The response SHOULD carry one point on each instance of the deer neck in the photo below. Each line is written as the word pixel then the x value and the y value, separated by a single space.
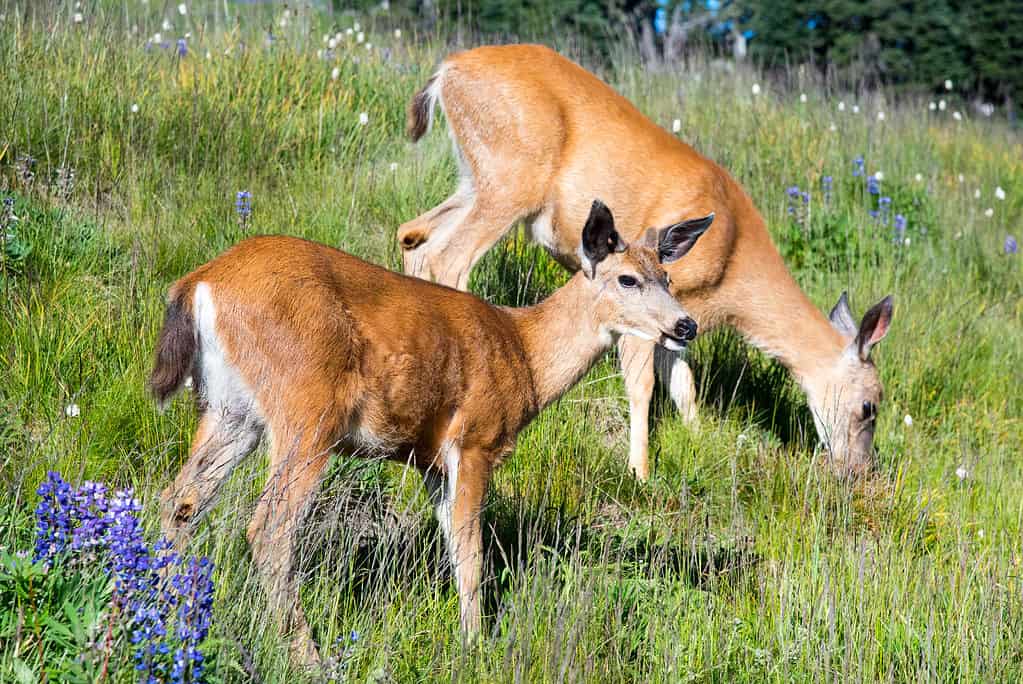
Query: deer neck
pixel 562 338
pixel 763 302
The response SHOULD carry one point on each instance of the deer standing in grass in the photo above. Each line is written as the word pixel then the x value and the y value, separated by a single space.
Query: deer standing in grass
pixel 323 352
pixel 534 134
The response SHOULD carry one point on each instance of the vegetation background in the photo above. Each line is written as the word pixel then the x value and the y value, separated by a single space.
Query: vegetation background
pixel 127 129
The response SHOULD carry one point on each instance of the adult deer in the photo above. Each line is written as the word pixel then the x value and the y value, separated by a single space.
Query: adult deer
pixel 534 133
pixel 324 352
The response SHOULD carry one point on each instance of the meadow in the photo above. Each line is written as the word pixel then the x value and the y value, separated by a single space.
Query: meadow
pixel 123 153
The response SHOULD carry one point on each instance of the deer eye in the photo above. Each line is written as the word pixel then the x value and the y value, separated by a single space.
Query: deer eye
pixel 627 281
pixel 869 410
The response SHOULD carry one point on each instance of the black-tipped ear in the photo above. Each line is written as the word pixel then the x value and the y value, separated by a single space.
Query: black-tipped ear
pixel 599 237
pixel 874 326
pixel 675 241
pixel 841 317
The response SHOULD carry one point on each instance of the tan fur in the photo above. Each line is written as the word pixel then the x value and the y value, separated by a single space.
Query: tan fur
pixel 342 355
pixel 537 135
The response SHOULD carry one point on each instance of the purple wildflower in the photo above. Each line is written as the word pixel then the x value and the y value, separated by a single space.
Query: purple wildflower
pixel 884 204
pixel 826 184
pixel 1010 246
pixel 873 185
pixel 54 521
pixel 182 47
pixel 243 206
pixel 858 169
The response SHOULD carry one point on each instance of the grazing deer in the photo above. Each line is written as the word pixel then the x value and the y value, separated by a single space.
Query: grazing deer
pixel 534 133
pixel 321 351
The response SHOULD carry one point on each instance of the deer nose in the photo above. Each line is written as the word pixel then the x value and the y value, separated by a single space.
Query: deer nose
pixel 686 329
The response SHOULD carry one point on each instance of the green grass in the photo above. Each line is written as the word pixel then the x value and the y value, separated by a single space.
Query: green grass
pixel 741 560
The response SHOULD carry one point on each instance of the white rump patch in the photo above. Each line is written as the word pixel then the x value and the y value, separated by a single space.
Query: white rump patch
pixel 222 385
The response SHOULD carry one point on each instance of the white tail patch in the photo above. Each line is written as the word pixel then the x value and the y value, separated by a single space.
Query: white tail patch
pixel 222 385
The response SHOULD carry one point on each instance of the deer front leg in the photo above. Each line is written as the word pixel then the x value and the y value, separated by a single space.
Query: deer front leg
pixel 637 359
pixel 458 497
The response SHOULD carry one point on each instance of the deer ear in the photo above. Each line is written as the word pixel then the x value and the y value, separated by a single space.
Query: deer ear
pixel 599 238
pixel 841 317
pixel 675 241
pixel 874 327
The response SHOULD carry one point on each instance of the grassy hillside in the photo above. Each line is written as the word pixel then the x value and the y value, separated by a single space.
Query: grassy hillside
pixel 742 559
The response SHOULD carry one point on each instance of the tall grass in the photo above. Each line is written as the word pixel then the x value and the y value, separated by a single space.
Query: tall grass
pixel 740 560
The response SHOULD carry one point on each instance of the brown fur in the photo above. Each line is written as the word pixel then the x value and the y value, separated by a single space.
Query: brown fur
pixel 325 352
pixel 175 350
pixel 540 134
pixel 419 113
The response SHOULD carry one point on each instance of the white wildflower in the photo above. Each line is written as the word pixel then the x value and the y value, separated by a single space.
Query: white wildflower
pixel 397 34
pixel 880 116
pixel 369 46
pixel 394 166
pixel 335 72
pixel 841 106
pixel 78 18
pixel 356 26
pixel 918 177
pixel 957 116
pixel 359 37
pixel 72 411
pixel 802 97
pixel 182 9
pixel 906 242
pixel 676 125
pixel 980 533
pixel 166 26
pixel 932 106
pixel 962 473
pixel 999 193
pixel 188 382
pixel 989 212
pixel 209 55
pixel 948 84
pixel 756 89
pixel 976 194
pixel 856 109
pixel 326 38
pixel 363 118
pixel 878 175
pixel 331 44
pixel 832 128
pixel 908 420
pixel 348 32
pixel 961 178
pixel 942 105
pixel 157 37
pixel 134 108
pixel 958 235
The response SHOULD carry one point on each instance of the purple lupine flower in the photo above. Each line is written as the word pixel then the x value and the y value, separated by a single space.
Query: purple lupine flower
pixel 1010 246
pixel 873 185
pixel 858 169
pixel 792 192
pixel 826 184
pixel 54 517
pixel 90 511
pixel 182 47
pixel 884 204
pixel 900 228
pixel 805 196
pixel 243 206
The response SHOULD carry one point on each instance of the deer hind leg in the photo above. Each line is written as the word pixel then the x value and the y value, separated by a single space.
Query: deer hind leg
pixel 673 370
pixel 297 461
pixel 637 359
pixel 222 440
pixel 458 495
pixel 436 224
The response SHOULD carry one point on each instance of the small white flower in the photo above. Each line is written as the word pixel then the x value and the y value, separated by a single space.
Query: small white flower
pixel 78 18
pixel 906 242
pixel 908 420
pixel 157 37
pixel 880 116
pixel 182 9
pixel 394 166
pixel 363 118
pixel 756 88
pixel 942 105
pixel 878 175
pixel 134 108
pixel 356 26
pixel 976 194
pixel 962 473
pixel 188 35
pixel 338 36
pixel 856 109
pixel 980 533
pixel 802 97
pixel 989 212
pixel 209 55
pixel 958 235
pixel 166 26
pixel 397 34
pixel 331 44
pixel 918 177
pixel 188 382
pixel 948 84
pixel 385 5
pixel 359 37
pixel 961 178
pixel 334 73
pixel 369 46
pixel 932 106
pixel 348 32
pixel 999 193
pixel 832 128
pixel 676 125
pixel 841 106
pixel 957 116
pixel 326 38
pixel 72 411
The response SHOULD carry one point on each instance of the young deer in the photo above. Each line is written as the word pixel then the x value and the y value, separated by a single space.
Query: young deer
pixel 533 133
pixel 324 352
